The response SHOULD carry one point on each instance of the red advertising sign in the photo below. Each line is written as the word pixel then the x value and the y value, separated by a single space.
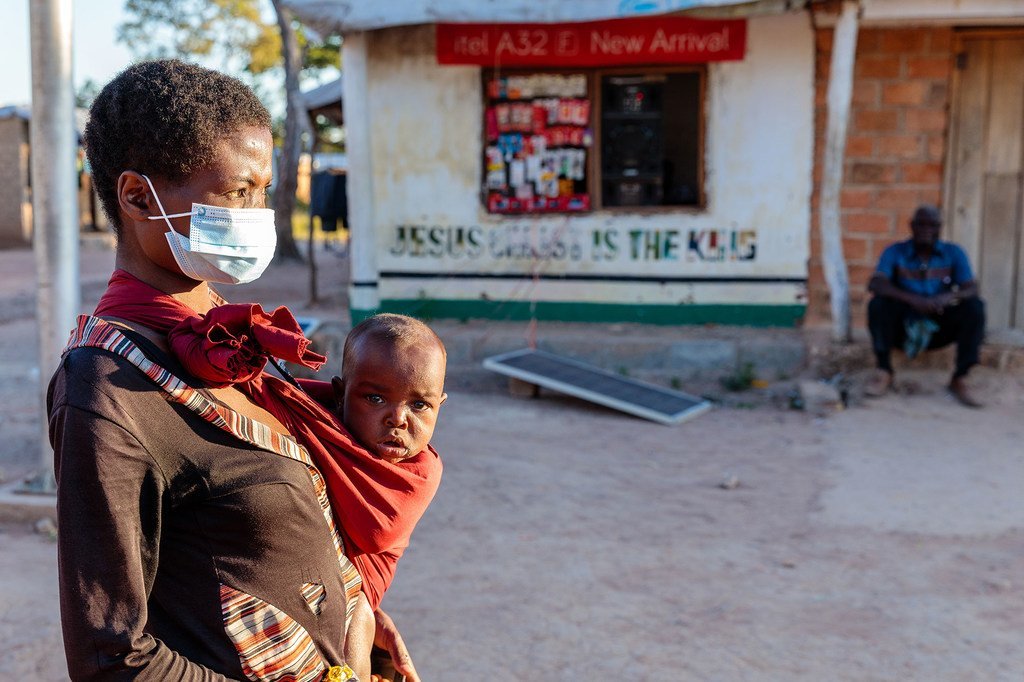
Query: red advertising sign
pixel 644 40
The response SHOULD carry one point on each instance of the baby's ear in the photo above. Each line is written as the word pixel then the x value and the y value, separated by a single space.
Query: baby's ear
pixel 338 384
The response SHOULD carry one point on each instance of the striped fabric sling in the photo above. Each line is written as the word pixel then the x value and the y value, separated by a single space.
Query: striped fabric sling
pixel 280 652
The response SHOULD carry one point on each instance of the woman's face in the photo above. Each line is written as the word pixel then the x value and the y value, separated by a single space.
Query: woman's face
pixel 237 176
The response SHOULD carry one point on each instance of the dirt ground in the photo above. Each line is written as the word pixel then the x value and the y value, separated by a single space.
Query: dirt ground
pixel 884 542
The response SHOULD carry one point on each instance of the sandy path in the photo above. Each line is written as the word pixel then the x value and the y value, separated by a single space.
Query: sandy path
pixel 882 543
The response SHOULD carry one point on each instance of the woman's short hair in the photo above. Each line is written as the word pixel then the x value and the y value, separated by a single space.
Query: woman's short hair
pixel 163 118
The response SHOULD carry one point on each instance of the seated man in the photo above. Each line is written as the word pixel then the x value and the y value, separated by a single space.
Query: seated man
pixel 925 297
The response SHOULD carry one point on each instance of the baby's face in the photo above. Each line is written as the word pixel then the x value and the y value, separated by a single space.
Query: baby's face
pixel 392 396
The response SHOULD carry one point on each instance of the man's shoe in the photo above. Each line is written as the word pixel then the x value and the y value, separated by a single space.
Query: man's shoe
pixel 958 389
pixel 878 383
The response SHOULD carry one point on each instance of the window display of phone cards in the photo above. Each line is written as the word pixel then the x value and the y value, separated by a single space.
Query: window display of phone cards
pixel 538 136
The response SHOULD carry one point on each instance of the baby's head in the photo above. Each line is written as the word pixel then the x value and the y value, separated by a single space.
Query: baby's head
pixel 392 385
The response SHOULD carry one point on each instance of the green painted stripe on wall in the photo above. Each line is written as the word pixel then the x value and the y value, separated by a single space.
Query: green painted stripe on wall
pixel 730 314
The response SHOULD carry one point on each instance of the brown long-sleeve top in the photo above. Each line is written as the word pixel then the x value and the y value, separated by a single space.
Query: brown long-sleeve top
pixel 184 553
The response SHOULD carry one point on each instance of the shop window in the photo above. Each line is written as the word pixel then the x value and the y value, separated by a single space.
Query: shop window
pixel 571 142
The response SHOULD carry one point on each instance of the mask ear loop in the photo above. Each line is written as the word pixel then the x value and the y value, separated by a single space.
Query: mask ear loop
pixel 159 204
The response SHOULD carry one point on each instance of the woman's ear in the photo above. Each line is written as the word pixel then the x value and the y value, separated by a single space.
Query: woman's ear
pixel 134 197
pixel 338 384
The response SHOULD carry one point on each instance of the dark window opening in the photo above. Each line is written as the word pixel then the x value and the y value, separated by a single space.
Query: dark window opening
pixel 650 140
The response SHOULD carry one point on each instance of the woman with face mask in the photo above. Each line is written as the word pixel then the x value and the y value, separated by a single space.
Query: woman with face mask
pixel 197 539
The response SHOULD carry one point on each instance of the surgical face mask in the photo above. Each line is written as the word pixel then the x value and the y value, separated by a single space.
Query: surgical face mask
pixel 225 245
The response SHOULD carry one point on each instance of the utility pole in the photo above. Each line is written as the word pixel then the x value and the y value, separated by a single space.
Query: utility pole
pixel 839 94
pixel 54 147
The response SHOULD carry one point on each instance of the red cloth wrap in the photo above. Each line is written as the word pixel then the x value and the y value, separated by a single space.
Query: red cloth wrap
pixel 377 503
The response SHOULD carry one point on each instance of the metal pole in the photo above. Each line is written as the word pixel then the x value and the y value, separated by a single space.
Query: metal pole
pixel 54 147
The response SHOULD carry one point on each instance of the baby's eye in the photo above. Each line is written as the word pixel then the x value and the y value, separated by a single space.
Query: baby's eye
pixel 421 405
pixel 374 399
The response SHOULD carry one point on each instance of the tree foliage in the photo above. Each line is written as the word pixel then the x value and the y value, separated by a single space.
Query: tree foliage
pixel 234 29
pixel 246 37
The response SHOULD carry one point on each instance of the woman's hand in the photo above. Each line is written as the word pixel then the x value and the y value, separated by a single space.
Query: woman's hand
pixel 386 637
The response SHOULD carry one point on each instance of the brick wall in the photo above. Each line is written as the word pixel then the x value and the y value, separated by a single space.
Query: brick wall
pixel 895 148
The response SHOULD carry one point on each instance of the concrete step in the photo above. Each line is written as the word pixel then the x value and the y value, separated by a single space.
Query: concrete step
pixel 666 355
pixel 686 357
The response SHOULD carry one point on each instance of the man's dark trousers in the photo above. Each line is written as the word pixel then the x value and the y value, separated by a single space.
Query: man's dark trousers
pixel 963 323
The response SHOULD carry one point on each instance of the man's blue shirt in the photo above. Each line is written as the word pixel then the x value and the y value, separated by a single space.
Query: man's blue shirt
pixel 947 265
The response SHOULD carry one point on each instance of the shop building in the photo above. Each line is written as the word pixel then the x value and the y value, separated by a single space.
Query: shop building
pixel 663 161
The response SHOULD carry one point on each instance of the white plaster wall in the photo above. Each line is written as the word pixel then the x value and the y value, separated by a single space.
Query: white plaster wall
pixel 426 137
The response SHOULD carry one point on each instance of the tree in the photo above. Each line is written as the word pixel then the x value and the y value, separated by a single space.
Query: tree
pixel 236 31
pixel 86 93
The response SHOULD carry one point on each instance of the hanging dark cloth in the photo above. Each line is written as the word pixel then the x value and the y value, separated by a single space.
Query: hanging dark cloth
pixel 329 199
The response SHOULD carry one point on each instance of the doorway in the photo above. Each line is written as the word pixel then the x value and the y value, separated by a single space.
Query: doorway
pixel 985 181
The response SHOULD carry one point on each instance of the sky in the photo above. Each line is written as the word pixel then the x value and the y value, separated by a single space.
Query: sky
pixel 97 54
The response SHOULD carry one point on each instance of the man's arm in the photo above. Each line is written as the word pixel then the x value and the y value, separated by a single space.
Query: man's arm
pixel 967 290
pixel 880 285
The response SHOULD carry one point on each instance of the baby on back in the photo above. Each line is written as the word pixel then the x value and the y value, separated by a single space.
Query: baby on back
pixel 389 394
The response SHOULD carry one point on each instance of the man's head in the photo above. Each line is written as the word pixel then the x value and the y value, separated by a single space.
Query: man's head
pixel 925 225
pixel 392 385
pixel 165 119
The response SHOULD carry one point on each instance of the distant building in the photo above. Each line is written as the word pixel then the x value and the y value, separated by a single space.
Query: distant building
pixel 16 180
pixel 515 159
pixel 15 200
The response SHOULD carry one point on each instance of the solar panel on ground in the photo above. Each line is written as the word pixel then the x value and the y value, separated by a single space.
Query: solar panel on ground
pixel 596 385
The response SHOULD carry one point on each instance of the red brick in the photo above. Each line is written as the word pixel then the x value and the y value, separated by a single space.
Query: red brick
pixel 875 248
pixel 936 146
pixel 856 198
pixel 869 222
pixel 860 147
pixel 938 95
pixel 877 67
pixel 823 39
pixel 865 92
pixel 903 40
pixel 820 95
pixel 867 41
pixel 924 120
pixel 872 173
pixel 859 276
pixel 875 121
pixel 931 195
pixel 922 173
pixel 816 273
pixel 913 93
pixel 940 40
pixel 897 198
pixel 899 146
pixel 929 67
pixel 822 68
pixel 855 249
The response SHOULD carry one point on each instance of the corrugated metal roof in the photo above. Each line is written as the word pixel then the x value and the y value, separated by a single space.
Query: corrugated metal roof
pixel 323 95
pixel 339 16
